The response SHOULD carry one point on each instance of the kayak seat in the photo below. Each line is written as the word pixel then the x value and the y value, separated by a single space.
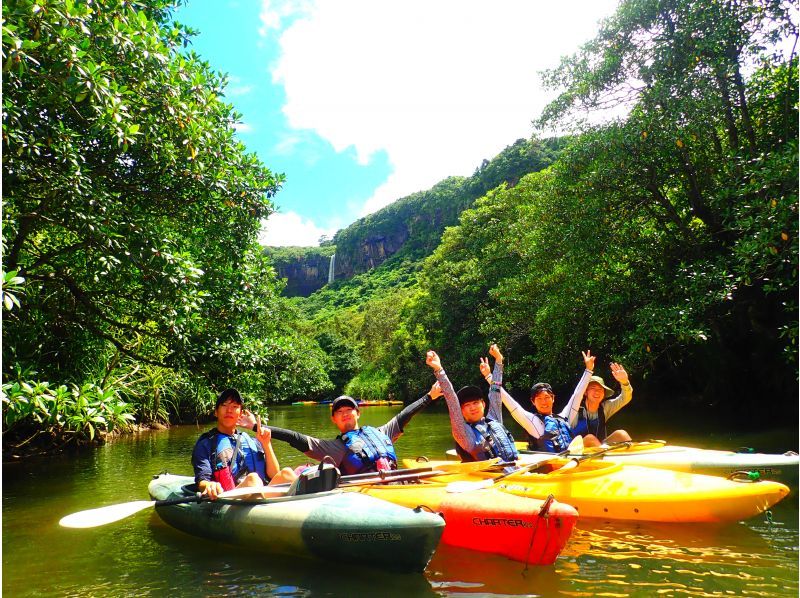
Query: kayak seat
pixel 323 478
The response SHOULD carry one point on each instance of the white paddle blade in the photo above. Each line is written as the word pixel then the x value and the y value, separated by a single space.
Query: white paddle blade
pixel 104 515
pixel 466 486
pixel 576 446
pixel 571 464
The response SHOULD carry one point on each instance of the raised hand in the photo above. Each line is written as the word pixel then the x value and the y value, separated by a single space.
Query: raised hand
pixel 588 360
pixel 432 359
pixel 484 367
pixel 263 435
pixel 494 351
pixel 619 373
pixel 246 419
pixel 436 391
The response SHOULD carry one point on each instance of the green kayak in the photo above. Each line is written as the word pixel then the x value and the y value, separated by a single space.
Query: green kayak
pixel 344 526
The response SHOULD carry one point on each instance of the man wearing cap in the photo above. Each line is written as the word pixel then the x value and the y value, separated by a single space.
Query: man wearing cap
pixel 224 458
pixel 546 430
pixel 598 408
pixel 479 432
pixel 357 449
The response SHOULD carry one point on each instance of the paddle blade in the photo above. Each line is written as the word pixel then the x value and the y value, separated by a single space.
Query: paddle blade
pixel 465 486
pixel 104 515
pixel 571 464
pixel 576 446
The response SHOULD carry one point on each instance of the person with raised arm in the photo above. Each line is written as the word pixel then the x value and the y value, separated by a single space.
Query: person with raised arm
pixel 598 407
pixel 357 449
pixel 225 458
pixel 477 429
pixel 548 431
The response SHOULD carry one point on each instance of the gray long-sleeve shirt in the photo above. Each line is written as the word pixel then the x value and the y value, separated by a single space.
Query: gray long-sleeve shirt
pixel 458 426
pixel 318 448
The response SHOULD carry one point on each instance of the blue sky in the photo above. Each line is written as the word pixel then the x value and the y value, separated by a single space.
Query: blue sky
pixel 362 102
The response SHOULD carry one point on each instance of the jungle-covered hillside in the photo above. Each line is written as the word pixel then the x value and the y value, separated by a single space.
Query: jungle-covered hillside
pixel 134 287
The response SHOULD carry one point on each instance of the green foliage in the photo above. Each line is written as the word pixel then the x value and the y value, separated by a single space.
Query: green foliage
pixel 345 361
pixel 410 228
pixel 125 187
pixel 131 213
pixel 369 385
pixel 667 239
pixel 40 414
pixel 285 255
pixel 12 286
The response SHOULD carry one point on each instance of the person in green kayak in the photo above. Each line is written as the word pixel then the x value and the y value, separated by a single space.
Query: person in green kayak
pixel 548 431
pixel 598 407
pixel 357 449
pixel 478 431
pixel 225 458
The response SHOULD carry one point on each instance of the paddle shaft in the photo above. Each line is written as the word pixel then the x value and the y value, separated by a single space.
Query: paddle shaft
pixel 387 480
pixel 530 466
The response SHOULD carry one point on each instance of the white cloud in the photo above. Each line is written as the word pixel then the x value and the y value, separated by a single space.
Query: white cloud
pixel 290 228
pixel 242 128
pixel 238 90
pixel 438 85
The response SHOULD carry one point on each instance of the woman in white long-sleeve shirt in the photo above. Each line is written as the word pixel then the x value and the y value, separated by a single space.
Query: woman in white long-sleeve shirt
pixel 548 431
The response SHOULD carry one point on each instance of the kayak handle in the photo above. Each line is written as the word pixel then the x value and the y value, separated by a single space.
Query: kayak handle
pixel 745 476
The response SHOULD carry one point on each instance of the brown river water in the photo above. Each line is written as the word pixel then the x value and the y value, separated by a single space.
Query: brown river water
pixel 141 556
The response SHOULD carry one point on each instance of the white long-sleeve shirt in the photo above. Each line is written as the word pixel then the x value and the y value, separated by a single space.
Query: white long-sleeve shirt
pixel 533 424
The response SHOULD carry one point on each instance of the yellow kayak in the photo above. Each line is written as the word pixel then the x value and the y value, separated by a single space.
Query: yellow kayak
pixel 660 454
pixel 601 489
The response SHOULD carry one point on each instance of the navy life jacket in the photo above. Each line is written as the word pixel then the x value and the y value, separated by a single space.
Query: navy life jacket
pixel 586 426
pixel 557 434
pixel 365 448
pixel 495 440
pixel 246 457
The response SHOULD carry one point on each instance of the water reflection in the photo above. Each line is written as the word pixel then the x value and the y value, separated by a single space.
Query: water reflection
pixel 141 556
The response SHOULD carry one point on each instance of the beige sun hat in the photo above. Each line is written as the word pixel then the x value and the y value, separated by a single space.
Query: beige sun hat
pixel 599 380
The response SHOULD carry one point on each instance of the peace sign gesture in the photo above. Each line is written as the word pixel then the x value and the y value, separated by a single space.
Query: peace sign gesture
pixel 588 360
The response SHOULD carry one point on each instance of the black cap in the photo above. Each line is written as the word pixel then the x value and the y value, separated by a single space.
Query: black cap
pixel 229 393
pixel 541 387
pixel 469 393
pixel 342 401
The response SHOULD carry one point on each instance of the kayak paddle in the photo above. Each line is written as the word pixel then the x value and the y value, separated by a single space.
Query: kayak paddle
pixel 112 513
pixel 576 446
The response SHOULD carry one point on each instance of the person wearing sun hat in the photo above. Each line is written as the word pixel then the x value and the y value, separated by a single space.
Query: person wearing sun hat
pixel 598 407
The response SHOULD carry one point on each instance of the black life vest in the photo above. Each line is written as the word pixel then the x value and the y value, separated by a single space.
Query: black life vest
pixel 368 449
pixel 557 434
pixel 495 440
pixel 586 426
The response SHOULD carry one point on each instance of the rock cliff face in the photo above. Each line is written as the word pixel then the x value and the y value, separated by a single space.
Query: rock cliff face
pixel 411 227
pixel 304 274
pixel 369 253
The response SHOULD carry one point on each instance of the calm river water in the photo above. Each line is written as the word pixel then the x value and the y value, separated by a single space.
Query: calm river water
pixel 141 556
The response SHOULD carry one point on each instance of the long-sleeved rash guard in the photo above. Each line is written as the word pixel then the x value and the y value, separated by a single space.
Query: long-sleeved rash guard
pixel 532 423
pixel 335 448
pixel 459 427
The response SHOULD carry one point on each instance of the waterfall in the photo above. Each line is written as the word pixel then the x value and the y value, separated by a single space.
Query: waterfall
pixel 331 267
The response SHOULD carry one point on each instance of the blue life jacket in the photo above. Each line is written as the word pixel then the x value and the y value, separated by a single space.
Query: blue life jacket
pixel 248 458
pixel 365 446
pixel 557 434
pixel 495 440
pixel 586 426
